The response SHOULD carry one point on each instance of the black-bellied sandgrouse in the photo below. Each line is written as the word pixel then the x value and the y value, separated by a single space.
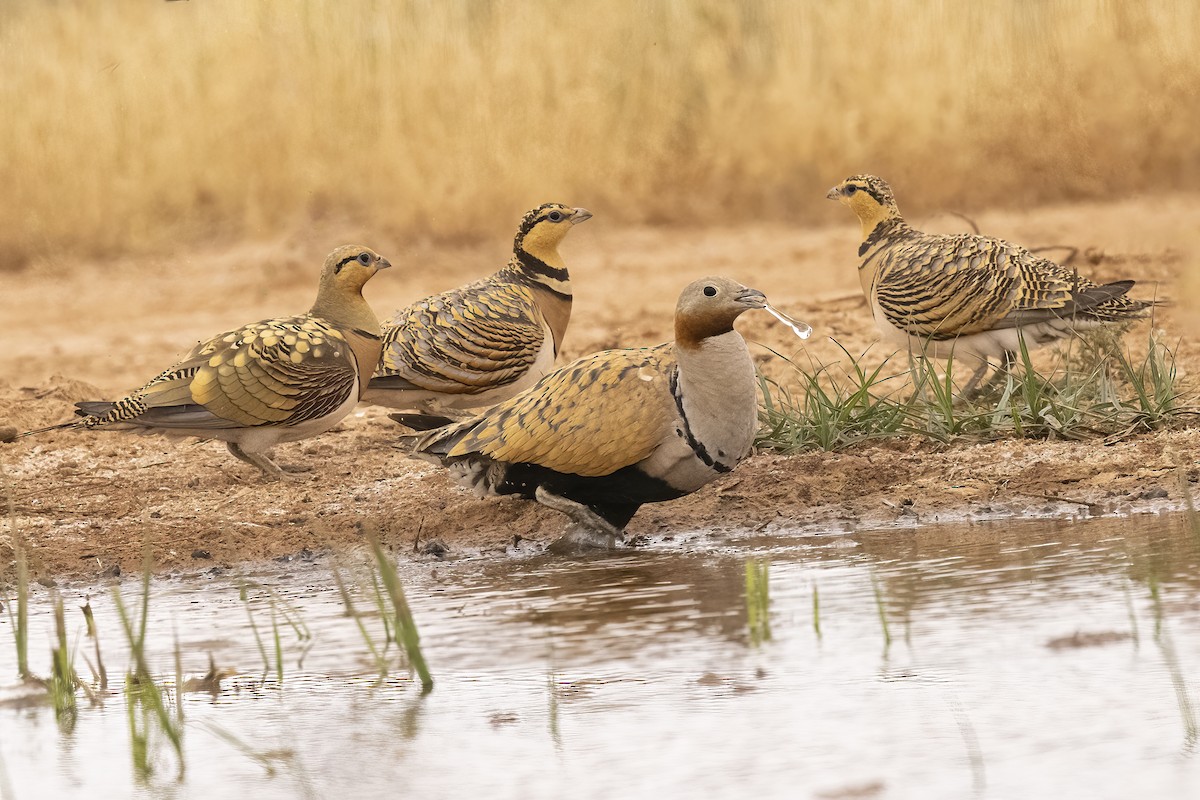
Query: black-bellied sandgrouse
pixel 619 428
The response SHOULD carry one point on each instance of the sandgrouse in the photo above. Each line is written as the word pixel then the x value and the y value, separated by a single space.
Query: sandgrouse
pixel 968 295
pixel 274 381
pixel 611 431
pixel 485 342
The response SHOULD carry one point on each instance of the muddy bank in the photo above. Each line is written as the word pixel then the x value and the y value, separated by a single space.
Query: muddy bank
pixel 88 503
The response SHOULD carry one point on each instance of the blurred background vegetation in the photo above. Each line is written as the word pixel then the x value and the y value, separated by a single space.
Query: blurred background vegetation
pixel 132 125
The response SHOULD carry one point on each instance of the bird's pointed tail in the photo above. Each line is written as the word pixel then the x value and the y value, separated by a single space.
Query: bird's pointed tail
pixel 75 423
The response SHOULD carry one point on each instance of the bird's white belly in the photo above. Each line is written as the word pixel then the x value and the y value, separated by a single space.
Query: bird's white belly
pixel 987 345
pixel 675 462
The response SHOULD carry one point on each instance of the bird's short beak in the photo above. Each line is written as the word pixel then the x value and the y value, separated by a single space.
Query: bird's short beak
pixel 383 264
pixel 833 194
pixel 752 298
pixel 580 215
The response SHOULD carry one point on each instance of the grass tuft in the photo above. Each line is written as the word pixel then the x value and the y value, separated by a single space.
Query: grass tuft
pixel 1103 392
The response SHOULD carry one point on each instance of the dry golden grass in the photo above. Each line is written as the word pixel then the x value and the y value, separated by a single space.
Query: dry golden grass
pixel 132 125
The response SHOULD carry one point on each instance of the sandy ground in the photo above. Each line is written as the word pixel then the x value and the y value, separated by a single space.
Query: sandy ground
pixel 88 503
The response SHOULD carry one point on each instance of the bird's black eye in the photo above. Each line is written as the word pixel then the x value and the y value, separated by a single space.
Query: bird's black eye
pixel 364 259
pixel 851 189
pixel 555 216
pixel 710 291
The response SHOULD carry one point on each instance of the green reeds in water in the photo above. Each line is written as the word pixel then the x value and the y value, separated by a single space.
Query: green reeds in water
pixel 758 601
pixel 282 614
pixel 62 681
pixel 406 627
pixel 19 621
pixel 99 671
pixel 816 611
pixel 1187 712
pixel 883 620
pixel 1096 388
pixel 378 654
pixel 149 718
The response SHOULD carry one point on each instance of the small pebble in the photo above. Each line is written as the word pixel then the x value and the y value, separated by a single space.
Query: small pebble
pixel 201 554
pixel 8 433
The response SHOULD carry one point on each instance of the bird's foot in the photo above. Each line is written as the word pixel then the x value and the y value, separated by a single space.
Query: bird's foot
pixel 579 539
pixel 577 512
pixel 271 471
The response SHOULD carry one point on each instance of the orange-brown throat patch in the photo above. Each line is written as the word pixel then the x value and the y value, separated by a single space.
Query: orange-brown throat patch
pixel 691 330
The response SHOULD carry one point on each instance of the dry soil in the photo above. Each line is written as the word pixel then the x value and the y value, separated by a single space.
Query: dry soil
pixel 88 503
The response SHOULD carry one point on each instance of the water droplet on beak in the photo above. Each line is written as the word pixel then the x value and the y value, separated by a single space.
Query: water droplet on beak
pixel 801 329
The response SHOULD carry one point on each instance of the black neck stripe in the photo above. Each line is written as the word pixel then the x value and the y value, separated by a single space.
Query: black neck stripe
pixel 533 282
pixel 533 264
pixel 698 448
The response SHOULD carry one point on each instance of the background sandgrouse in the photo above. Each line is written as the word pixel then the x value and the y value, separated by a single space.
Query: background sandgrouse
pixel 487 341
pixel 274 381
pixel 968 295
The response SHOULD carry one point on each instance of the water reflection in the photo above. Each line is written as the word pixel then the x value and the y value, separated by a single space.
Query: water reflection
pixel 986 660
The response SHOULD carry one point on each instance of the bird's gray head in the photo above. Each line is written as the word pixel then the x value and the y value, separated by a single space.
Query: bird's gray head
pixel 709 306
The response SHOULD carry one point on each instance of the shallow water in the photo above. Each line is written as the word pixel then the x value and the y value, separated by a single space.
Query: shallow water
pixel 636 675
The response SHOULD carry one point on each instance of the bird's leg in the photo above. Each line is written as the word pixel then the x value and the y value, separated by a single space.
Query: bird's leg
pixel 971 389
pixel 270 470
pixel 589 529
pixel 1003 370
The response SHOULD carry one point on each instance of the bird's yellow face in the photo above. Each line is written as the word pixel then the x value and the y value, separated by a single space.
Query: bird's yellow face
pixel 709 306
pixel 349 267
pixel 869 197
pixel 545 226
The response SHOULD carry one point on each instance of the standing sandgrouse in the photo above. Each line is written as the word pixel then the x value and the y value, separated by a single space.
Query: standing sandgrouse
pixel 611 431
pixel 968 295
pixel 487 341
pixel 274 381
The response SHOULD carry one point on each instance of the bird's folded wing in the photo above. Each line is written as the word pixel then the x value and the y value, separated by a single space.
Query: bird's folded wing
pixel 462 342
pixel 277 372
pixel 944 286
pixel 592 417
